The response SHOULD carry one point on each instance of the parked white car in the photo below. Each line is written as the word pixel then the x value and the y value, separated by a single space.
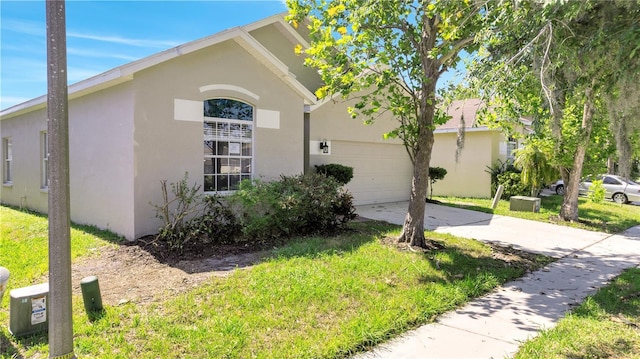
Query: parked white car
pixel 618 189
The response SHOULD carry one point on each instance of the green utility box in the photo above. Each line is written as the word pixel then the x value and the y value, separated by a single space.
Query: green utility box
pixel 524 204
pixel 28 312
pixel 91 294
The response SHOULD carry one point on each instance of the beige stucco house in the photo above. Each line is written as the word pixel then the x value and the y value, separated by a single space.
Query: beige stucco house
pixel 235 105
pixel 483 147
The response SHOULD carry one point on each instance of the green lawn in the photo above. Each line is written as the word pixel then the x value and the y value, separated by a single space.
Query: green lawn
pixel 606 217
pixel 320 297
pixel 606 325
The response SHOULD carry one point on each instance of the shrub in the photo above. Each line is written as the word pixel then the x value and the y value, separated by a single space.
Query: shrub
pixel 292 205
pixel 216 224
pixel 342 174
pixel 597 191
pixel 497 169
pixel 513 186
pixel 435 174
pixel 176 212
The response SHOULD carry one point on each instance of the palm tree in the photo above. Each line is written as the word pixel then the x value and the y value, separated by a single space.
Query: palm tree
pixel 534 161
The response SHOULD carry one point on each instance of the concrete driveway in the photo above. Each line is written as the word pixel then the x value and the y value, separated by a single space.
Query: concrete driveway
pixel 493 326
pixel 545 238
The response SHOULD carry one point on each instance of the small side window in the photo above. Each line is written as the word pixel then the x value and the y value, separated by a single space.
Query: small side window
pixel 7 154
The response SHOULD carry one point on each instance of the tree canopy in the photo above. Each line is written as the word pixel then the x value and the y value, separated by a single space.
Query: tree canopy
pixel 389 56
pixel 568 64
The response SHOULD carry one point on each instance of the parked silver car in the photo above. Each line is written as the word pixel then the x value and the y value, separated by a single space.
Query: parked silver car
pixel 558 187
pixel 619 189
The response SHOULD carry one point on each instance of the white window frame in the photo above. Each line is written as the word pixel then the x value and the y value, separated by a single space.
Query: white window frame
pixel 512 146
pixel 7 150
pixel 232 137
pixel 44 160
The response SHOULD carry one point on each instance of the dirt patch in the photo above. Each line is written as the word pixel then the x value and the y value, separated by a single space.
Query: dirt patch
pixel 145 271
pixel 135 272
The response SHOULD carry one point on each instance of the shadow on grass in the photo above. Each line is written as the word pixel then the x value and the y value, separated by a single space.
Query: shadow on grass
pixel 621 297
pixel 603 350
pixel 96 315
pixel 503 264
pixel 103 234
pixel 347 241
pixel 9 350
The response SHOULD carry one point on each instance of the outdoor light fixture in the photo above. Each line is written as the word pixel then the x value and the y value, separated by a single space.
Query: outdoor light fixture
pixel 324 147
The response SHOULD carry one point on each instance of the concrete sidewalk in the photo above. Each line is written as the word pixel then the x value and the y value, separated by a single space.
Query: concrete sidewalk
pixel 493 326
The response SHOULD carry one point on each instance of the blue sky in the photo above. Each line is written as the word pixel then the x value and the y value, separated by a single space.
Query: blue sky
pixel 102 35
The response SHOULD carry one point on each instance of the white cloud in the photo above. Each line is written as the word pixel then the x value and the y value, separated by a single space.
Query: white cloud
pixel 127 41
pixel 100 54
pixel 24 27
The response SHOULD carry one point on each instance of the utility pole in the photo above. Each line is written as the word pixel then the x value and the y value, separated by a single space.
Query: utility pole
pixel 60 306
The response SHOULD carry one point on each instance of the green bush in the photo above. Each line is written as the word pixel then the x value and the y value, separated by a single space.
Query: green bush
pixel 513 186
pixel 216 224
pixel 259 211
pixel 597 191
pixel 497 169
pixel 292 205
pixel 342 174
pixel 435 174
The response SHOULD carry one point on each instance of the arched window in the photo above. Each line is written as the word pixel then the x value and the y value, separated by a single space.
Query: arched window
pixel 228 144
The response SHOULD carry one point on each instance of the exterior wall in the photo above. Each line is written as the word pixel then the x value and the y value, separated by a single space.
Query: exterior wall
pixel 467 177
pixel 24 131
pixel 382 169
pixel 166 148
pixel 271 37
pixel 100 160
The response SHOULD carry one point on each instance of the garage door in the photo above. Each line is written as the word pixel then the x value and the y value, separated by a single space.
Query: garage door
pixel 381 172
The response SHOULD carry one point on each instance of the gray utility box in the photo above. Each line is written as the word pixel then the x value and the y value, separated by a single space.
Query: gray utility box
pixel 28 313
pixel 524 204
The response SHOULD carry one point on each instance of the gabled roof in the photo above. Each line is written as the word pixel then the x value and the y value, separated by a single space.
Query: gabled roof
pixel 238 34
pixel 468 109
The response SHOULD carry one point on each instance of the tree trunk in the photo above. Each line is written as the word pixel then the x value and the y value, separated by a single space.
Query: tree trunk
pixel 569 209
pixel 413 228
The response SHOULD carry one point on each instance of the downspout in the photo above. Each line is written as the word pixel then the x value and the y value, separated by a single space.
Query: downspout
pixel 306 138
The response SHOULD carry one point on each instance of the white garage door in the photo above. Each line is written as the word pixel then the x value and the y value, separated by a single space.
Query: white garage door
pixel 381 172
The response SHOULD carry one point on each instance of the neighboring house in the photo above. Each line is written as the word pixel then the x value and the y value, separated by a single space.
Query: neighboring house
pixel 236 105
pixel 483 147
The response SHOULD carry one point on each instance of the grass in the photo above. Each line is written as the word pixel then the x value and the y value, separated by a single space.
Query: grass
pixel 317 297
pixel 605 217
pixel 606 325
pixel 24 244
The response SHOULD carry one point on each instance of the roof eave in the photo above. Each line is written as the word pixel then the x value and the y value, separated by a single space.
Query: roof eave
pixel 126 72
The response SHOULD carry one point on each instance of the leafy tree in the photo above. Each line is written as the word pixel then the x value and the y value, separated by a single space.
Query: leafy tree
pixel 556 60
pixel 624 115
pixel 389 55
